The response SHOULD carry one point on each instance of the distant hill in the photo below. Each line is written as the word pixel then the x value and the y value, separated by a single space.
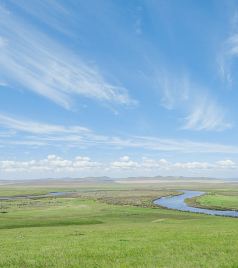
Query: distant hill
pixel 105 179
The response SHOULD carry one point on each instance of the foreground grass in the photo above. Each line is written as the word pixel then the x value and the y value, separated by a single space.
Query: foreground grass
pixel 165 243
pixel 96 229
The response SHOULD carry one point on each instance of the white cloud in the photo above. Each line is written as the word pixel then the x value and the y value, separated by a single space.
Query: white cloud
pixel 193 165
pixel 124 163
pixel 175 89
pixel 42 134
pixel 52 13
pixel 38 63
pixel 232 45
pixel 201 110
pixel 3 42
pixel 57 166
pixel 36 127
pixel 228 55
pixel 84 162
pixel 163 164
pixel 148 163
pixel 52 163
pixel 226 164
pixel 222 164
pixel 206 115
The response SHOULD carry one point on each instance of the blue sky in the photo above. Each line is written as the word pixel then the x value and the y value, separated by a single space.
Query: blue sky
pixel 118 88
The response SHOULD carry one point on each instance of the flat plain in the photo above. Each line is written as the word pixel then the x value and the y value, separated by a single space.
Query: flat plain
pixel 109 224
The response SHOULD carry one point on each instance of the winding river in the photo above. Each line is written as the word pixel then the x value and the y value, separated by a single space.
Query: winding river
pixel 178 202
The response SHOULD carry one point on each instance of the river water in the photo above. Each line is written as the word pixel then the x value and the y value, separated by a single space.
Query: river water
pixel 178 202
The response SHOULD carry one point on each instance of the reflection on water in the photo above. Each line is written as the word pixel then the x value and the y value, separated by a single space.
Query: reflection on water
pixel 178 202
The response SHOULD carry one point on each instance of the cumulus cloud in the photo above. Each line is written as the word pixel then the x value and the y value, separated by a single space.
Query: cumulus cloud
pixel 51 163
pixel 124 163
pixel 163 164
pixel 193 165
pixel 56 166
pixel 226 164
pixel 149 163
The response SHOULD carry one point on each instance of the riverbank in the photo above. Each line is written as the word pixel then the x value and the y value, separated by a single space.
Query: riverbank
pixel 214 202
pixel 179 202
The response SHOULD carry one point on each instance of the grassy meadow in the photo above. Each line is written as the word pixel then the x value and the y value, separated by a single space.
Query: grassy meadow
pixel 115 225
pixel 219 201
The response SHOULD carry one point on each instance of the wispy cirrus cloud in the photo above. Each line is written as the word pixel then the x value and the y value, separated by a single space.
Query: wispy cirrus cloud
pixel 226 59
pixel 33 133
pixel 199 109
pixel 228 54
pixel 52 13
pixel 206 115
pixel 34 61
pixel 3 42
pixel 175 89
pixel 36 127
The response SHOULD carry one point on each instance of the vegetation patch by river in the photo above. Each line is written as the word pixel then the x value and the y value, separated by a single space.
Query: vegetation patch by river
pixel 216 201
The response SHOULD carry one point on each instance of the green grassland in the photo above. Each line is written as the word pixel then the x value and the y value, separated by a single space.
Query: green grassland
pixel 112 225
pixel 225 201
